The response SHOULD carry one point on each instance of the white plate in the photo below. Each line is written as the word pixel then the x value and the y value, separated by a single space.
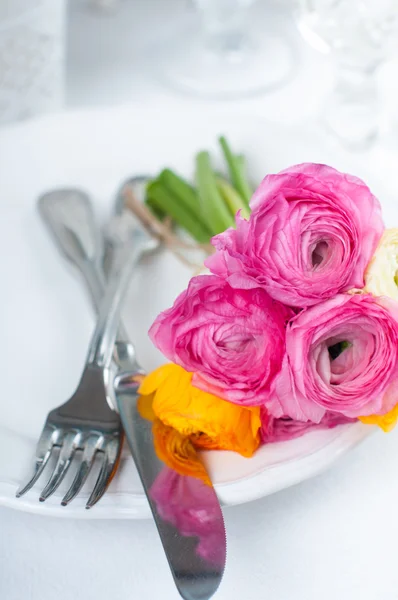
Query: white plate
pixel 46 316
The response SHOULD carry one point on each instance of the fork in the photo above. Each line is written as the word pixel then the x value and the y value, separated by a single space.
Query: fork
pixel 86 422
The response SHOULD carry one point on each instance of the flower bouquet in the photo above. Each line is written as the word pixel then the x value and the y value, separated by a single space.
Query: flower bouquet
pixel 294 328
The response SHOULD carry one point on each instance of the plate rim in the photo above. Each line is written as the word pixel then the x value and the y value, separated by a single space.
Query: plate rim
pixel 264 482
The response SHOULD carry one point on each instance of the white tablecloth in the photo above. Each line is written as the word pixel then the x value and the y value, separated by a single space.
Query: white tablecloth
pixel 331 537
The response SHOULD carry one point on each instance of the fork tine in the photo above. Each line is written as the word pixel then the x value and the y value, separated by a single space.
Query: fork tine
pixel 90 449
pixel 66 454
pixel 112 450
pixel 44 448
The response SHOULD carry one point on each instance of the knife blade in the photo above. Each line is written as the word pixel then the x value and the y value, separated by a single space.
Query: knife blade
pixel 186 511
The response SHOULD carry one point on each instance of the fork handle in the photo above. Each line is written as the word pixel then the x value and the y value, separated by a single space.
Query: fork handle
pixel 96 284
pixel 104 336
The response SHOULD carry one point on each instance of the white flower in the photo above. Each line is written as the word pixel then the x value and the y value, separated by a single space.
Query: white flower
pixel 381 277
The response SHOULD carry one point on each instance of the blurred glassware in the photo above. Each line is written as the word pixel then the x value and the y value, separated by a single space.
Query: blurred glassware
pixel 226 54
pixel 32 58
pixel 360 35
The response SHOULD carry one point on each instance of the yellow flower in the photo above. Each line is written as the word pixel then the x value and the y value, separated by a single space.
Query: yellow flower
pixel 381 277
pixel 177 452
pixel 207 420
pixel 386 422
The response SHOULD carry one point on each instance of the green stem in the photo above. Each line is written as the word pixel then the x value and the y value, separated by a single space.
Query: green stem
pixel 214 209
pixel 237 171
pixel 181 189
pixel 160 198
pixel 232 199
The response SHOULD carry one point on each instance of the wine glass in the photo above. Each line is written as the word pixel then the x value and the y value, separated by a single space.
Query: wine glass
pixel 223 52
pixel 359 35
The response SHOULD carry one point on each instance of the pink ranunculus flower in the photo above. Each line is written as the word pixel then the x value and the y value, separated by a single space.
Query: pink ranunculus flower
pixel 285 428
pixel 311 235
pixel 341 356
pixel 233 340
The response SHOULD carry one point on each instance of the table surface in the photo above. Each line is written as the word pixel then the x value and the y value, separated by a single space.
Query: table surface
pixel 330 537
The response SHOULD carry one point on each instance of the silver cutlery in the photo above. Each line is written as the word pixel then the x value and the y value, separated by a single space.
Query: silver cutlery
pixel 86 422
pixel 197 575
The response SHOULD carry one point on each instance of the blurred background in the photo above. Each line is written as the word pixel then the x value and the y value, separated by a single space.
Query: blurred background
pixel 332 62
pixel 323 66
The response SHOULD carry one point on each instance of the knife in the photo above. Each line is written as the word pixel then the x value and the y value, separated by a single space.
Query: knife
pixel 186 511
pixel 188 515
